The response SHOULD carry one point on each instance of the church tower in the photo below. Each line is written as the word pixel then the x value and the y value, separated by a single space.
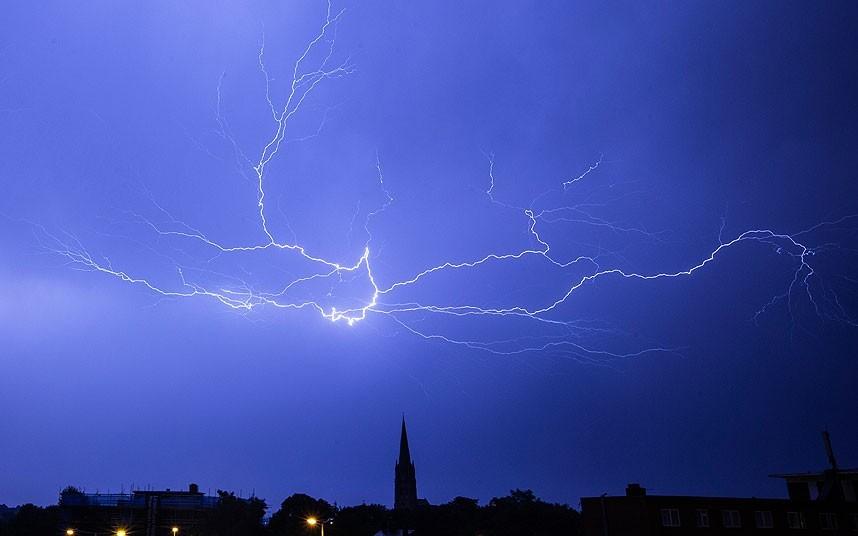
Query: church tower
pixel 405 485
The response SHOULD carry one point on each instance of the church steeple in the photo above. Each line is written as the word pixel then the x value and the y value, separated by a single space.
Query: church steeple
pixel 405 484
pixel 404 453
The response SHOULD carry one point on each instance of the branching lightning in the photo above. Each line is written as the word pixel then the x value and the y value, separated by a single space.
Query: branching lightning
pixel 382 297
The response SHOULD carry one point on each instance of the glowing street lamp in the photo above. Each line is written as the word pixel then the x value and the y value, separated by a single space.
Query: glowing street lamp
pixel 120 532
pixel 312 521
pixel 174 530
pixel 69 532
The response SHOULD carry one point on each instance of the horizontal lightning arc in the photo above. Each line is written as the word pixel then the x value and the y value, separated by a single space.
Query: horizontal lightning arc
pixel 305 80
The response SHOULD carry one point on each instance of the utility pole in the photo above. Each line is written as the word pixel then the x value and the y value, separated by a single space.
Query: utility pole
pixel 828 450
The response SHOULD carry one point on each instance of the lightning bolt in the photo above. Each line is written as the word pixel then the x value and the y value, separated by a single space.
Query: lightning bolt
pixel 550 331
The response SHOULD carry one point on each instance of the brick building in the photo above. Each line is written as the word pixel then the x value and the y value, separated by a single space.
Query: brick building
pixel 818 503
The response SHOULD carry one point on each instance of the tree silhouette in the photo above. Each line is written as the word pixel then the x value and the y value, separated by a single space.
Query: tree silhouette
pixel 523 513
pixel 362 520
pixel 291 519
pixel 31 520
pixel 235 517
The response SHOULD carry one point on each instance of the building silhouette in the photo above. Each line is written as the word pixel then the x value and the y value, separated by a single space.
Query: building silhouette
pixel 141 512
pixel 405 481
pixel 819 503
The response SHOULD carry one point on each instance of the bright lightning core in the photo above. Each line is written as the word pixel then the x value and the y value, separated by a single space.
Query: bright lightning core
pixel 348 291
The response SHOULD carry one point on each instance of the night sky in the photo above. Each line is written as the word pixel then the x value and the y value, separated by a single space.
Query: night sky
pixel 675 125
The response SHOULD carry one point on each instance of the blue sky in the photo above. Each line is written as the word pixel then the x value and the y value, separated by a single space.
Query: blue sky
pixel 706 120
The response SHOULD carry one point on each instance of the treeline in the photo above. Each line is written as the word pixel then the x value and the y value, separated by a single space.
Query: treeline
pixel 520 513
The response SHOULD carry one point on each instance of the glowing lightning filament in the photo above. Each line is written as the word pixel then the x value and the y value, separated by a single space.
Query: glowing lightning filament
pixel 380 297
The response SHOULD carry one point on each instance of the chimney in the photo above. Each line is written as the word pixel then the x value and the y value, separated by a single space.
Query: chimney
pixel 193 488
pixel 635 490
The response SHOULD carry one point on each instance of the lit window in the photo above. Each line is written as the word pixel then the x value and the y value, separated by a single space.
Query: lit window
pixel 795 520
pixel 763 519
pixel 670 517
pixel 828 521
pixel 730 519
pixel 702 517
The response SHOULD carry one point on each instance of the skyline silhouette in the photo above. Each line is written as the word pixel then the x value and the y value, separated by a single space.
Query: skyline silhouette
pixel 579 245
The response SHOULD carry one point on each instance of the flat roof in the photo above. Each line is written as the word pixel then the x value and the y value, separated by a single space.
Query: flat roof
pixel 818 474
pixel 687 497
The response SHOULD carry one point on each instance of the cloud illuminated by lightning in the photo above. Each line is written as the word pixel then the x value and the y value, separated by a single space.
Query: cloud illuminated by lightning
pixel 381 298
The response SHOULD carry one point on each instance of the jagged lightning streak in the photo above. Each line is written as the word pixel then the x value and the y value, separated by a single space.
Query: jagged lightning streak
pixel 380 298
pixel 589 170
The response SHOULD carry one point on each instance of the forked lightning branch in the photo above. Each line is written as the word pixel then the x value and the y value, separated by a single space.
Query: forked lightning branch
pixel 320 63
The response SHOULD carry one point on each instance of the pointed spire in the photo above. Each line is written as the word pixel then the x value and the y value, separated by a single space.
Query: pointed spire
pixel 404 453
pixel 405 482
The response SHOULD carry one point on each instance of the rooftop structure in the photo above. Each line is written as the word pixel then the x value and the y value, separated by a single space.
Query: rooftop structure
pixel 822 502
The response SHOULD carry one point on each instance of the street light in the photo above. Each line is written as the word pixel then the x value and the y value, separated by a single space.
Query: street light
pixel 312 521
pixel 69 532
pixel 174 530
pixel 120 532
